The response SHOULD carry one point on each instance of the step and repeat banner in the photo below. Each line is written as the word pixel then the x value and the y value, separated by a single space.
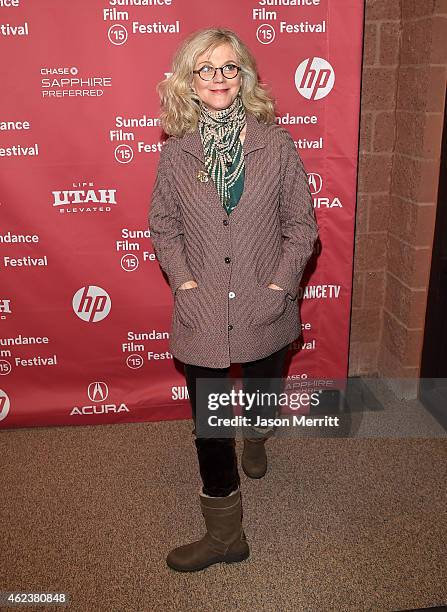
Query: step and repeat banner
pixel 85 310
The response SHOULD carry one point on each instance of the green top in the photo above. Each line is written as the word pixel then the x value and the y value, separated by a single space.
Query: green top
pixel 237 188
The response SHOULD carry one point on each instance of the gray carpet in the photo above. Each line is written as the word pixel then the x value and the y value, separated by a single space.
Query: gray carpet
pixel 336 524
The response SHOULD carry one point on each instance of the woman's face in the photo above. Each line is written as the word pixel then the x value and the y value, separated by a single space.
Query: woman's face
pixel 220 92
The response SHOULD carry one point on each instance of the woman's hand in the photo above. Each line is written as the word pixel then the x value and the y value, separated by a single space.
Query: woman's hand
pixel 189 285
pixel 273 286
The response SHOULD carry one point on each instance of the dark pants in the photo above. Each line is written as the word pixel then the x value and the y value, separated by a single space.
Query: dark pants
pixel 217 456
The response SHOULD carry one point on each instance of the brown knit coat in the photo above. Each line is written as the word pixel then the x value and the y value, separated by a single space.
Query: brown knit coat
pixel 232 316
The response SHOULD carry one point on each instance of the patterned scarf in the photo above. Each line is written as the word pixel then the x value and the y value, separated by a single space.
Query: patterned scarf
pixel 224 156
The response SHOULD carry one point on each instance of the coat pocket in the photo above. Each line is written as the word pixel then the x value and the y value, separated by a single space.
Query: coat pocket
pixel 269 306
pixel 186 306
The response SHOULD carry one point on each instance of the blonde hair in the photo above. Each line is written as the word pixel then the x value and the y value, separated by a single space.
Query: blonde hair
pixel 180 109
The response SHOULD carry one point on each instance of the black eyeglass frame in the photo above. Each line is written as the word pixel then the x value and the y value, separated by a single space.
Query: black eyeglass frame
pixel 216 69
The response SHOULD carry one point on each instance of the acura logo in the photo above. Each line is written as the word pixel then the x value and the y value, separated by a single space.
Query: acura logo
pixel 97 391
pixel 315 182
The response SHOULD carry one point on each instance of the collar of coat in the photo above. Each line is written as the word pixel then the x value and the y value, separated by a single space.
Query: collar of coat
pixel 254 138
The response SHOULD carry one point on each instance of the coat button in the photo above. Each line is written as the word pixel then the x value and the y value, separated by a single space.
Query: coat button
pixel 227 260
pixel 225 222
pixel 230 327
pixel 231 294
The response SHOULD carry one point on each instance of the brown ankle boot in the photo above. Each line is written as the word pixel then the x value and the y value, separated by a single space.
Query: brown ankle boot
pixel 224 540
pixel 254 458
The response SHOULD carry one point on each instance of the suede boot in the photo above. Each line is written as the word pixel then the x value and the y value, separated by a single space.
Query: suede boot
pixel 254 458
pixel 224 540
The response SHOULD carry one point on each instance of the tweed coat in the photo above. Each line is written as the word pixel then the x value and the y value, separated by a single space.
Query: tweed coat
pixel 232 316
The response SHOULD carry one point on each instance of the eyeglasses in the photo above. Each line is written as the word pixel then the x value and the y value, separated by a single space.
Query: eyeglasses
pixel 207 73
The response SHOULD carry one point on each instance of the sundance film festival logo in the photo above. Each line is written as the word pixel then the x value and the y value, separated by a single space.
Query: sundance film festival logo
pixel 314 78
pixel 84 198
pixel 92 303
pixel 5 366
pixel 97 393
pixel 266 32
pixel 118 33
pixel 4 404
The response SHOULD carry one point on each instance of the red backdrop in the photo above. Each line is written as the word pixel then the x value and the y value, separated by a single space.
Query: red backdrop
pixel 84 308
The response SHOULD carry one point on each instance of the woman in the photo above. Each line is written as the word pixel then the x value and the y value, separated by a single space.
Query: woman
pixel 232 225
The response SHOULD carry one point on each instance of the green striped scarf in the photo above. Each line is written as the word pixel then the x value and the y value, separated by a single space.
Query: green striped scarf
pixel 224 156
